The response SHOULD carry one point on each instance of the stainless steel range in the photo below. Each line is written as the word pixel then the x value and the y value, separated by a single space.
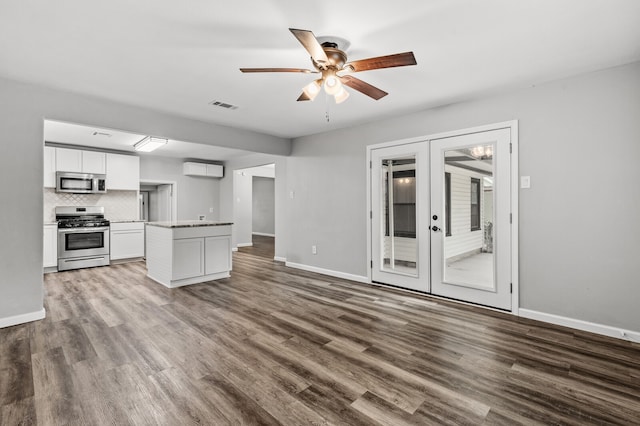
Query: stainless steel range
pixel 83 237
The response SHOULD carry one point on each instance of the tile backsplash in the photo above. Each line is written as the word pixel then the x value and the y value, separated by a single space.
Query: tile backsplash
pixel 118 205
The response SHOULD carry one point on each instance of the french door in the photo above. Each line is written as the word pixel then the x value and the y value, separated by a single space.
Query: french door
pixel 441 217
pixel 400 190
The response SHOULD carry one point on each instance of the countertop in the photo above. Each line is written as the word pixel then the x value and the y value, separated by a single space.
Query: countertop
pixel 126 221
pixel 188 223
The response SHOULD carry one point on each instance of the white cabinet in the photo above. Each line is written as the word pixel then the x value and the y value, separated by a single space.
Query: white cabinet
pixel 215 170
pixel 202 169
pixel 76 160
pixel 49 167
pixel 188 258
pixel 217 252
pixel 123 172
pixel 127 240
pixel 187 252
pixel 68 160
pixel 50 246
pixel 94 162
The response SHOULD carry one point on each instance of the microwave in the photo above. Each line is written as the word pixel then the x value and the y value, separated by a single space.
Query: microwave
pixel 81 183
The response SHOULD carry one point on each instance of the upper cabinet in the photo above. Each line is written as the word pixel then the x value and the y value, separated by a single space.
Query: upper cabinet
pixel 202 169
pixel 123 172
pixel 94 162
pixel 49 167
pixel 75 160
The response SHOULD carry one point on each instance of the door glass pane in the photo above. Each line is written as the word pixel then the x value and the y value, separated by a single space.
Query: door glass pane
pixel 469 235
pixel 398 187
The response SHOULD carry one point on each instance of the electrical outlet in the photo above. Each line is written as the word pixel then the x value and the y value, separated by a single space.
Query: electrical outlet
pixel 314 250
pixel 201 217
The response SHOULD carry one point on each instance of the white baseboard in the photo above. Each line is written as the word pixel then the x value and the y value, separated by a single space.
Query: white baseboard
pixel 22 318
pixel 244 244
pixel 263 234
pixel 280 259
pixel 329 272
pixel 606 330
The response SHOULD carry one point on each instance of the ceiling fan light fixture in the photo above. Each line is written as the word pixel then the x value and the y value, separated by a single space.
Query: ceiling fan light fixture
pixel 332 84
pixel 149 144
pixel 341 96
pixel 312 89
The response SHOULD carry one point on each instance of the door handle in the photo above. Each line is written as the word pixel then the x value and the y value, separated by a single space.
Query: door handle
pixel 435 229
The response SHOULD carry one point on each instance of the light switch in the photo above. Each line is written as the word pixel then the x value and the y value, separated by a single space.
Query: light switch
pixel 525 182
pixel 292 195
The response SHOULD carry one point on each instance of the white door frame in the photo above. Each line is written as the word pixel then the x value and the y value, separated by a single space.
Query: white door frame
pixel 513 127
pixel 174 198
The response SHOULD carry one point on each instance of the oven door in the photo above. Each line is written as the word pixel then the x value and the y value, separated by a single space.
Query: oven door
pixel 80 242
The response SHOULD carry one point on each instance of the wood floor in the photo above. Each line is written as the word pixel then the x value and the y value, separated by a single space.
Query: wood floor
pixel 263 246
pixel 272 345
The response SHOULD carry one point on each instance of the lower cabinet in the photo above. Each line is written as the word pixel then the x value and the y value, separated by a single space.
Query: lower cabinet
pixel 188 258
pixel 127 240
pixel 217 252
pixel 50 246
pixel 186 254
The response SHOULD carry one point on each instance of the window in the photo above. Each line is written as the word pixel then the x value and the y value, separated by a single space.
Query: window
pixel 447 204
pixel 475 204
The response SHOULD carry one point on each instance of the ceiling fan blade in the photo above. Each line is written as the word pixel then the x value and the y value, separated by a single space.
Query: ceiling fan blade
pixel 362 87
pixel 302 70
pixel 311 43
pixel 389 61
pixel 303 97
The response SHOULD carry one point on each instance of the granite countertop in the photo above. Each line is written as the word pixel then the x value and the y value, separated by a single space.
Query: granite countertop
pixel 188 223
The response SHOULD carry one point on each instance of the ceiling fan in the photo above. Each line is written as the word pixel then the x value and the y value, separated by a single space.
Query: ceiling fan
pixel 331 62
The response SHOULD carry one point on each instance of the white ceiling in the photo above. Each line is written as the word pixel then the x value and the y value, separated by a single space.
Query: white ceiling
pixel 177 57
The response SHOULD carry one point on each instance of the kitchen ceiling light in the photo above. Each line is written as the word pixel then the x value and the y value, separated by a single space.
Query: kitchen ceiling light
pixel 149 144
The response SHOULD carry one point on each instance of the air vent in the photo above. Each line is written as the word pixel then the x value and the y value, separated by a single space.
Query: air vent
pixel 223 105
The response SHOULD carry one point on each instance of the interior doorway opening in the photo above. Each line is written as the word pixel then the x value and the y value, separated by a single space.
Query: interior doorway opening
pixel 254 209
pixel 157 201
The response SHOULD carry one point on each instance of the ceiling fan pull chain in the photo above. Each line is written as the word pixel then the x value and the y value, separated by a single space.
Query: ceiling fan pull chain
pixel 326 107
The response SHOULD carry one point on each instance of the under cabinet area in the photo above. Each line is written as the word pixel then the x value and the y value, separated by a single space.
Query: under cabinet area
pixel 127 240
pixel 188 252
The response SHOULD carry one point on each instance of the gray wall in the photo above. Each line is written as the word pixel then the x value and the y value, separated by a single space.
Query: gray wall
pixel 23 108
pixel 263 208
pixel 195 194
pixel 579 228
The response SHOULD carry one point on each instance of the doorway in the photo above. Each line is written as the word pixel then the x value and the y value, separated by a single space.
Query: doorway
pixel 158 201
pixel 441 212
pixel 254 209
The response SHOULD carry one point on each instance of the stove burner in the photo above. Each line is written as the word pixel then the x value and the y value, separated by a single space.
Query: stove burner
pixel 81 217
pixel 82 223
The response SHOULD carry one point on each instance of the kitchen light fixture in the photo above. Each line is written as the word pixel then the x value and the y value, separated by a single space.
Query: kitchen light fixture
pixel 149 144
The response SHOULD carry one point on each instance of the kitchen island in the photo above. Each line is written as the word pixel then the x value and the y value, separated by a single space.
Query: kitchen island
pixel 188 252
